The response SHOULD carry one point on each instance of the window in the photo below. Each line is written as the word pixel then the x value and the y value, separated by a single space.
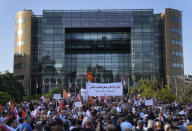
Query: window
pixel 176 19
pixel 176 42
pixel 177 53
pixel 177 65
pixel 20 43
pixel 178 31
pixel 20 32
pixel 19 66
pixel 20 20
pixel 19 54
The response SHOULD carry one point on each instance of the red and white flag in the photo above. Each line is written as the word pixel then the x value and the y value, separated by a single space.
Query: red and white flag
pixel 123 80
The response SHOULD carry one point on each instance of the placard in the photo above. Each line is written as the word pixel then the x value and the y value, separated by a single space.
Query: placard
pixel 57 96
pixel 78 104
pixel 100 89
pixel 149 102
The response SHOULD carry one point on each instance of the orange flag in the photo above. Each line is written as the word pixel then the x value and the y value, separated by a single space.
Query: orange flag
pixel 60 106
pixel 65 94
pixel 23 113
pixel 12 107
pixel 89 76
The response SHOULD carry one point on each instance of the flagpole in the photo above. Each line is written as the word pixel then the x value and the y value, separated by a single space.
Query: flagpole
pixel 75 88
pixel 36 86
pixel 128 85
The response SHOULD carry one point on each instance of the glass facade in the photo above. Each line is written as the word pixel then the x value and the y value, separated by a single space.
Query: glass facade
pixel 106 43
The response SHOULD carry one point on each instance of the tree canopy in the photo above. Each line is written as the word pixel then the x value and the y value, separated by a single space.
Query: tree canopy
pixel 10 85
pixel 153 88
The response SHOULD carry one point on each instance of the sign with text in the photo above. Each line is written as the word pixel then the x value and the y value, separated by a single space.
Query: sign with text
pixel 78 104
pixel 148 102
pixel 57 96
pixel 101 89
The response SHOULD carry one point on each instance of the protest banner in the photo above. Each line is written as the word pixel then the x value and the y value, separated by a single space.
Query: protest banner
pixel 101 89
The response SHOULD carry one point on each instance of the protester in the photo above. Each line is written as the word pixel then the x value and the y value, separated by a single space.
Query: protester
pixel 96 113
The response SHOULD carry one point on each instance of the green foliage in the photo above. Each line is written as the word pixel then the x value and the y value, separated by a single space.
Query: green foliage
pixel 153 88
pixel 9 84
pixel 5 97
pixel 166 94
pixel 28 98
pixel 187 96
pixel 48 95
pixel 36 97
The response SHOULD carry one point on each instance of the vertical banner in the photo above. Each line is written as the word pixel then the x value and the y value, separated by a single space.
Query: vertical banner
pixel 108 89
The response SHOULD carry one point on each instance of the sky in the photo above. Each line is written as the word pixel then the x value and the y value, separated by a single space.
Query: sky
pixel 8 9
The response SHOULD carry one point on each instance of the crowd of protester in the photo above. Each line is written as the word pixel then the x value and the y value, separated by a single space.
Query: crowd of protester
pixel 96 114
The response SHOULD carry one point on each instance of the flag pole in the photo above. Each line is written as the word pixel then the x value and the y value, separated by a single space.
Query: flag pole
pixel 75 88
pixel 128 85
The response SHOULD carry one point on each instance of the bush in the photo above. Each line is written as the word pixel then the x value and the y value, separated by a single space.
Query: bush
pixel 5 97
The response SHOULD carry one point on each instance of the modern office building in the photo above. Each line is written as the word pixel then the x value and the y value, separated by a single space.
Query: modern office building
pixel 59 46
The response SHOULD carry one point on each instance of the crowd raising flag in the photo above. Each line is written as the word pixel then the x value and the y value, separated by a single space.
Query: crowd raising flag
pixel 89 76
pixel 123 80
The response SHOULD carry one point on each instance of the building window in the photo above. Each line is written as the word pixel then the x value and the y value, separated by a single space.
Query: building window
pixel 19 54
pixel 19 32
pixel 176 19
pixel 21 20
pixel 20 43
pixel 176 42
pixel 177 65
pixel 19 66
pixel 178 31
pixel 175 53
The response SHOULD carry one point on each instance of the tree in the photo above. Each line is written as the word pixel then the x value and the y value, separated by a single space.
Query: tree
pixel 153 88
pixel 10 85
pixel 4 97
pixel 187 94
pixel 166 93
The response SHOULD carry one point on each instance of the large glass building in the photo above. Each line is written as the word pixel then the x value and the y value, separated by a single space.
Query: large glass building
pixel 59 46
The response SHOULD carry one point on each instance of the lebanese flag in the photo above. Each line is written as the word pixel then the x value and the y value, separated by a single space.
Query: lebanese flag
pixel 89 76
pixel 123 80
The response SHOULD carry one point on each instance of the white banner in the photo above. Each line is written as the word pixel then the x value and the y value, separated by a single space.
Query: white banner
pixel 149 102
pixel 78 104
pixel 108 89
pixel 57 96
